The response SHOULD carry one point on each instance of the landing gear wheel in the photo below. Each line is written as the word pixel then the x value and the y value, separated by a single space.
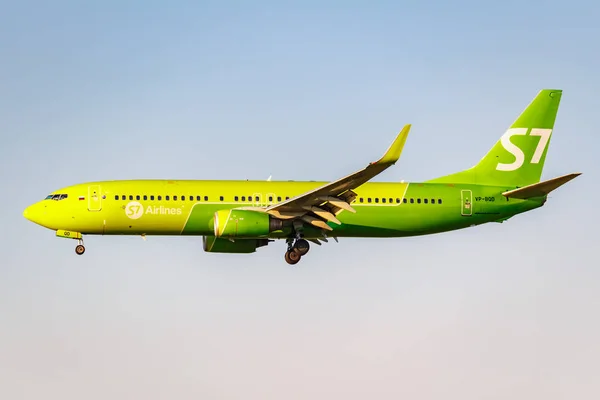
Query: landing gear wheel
pixel 292 257
pixel 302 246
pixel 79 249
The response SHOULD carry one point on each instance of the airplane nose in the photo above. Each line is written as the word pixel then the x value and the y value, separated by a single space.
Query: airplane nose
pixel 34 213
pixel 27 212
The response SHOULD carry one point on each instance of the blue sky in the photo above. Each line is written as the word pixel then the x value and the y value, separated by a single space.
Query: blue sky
pixel 312 90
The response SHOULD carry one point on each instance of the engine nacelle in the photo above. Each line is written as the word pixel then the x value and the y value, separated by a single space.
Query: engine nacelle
pixel 212 244
pixel 244 223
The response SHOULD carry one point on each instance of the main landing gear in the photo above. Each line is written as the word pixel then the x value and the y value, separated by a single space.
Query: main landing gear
pixel 80 248
pixel 296 249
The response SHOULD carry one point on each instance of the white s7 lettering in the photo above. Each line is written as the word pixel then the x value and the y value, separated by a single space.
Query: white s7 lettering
pixel 512 149
pixel 544 135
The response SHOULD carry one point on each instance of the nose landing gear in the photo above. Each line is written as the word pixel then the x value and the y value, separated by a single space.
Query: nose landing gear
pixel 80 248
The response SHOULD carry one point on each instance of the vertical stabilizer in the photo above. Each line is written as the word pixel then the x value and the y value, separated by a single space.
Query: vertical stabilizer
pixel 517 159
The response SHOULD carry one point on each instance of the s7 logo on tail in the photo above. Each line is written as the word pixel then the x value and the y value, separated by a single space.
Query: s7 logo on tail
pixel 517 152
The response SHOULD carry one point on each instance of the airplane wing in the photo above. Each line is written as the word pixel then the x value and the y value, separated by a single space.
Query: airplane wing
pixel 322 204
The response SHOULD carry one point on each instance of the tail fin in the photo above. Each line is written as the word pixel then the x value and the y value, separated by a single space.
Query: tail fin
pixel 518 157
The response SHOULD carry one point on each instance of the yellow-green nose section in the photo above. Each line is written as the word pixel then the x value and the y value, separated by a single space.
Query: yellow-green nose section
pixel 27 212
pixel 33 213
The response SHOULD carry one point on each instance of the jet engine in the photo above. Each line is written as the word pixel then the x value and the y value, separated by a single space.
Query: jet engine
pixel 212 244
pixel 244 223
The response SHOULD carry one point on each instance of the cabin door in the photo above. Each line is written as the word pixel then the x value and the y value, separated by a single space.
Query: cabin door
pixel 94 198
pixel 466 201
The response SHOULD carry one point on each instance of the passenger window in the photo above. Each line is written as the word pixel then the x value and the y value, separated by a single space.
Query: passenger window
pixel 376 199
pixel 255 198
pixel 432 201
pixel 159 198
pixel 439 201
pixel 419 201
pixel 287 197
pixel 123 197
pixel 278 198
pixel 361 199
pixel 130 197
pixel 270 199
pixel 412 201
pixel 383 200
pixel 243 198
pixel 151 197
pixel 145 197
pixel 368 199
pixel 425 201
pixel 404 200
pixel 182 198
pixel 167 198
pixel 137 197
pixel 116 197
pixel 235 198
pixel 221 198
pixel 205 198
pixel 392 200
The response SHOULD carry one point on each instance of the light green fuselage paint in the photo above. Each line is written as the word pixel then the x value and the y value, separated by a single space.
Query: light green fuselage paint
pixel 505 182
pixel 383 209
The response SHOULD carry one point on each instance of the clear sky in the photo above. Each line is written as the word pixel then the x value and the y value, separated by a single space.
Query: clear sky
pixel 311 90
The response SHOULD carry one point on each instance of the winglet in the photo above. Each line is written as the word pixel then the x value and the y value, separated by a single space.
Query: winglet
pixel 393 152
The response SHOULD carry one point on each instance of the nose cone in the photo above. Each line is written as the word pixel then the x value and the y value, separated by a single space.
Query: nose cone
pixel 33 213
pixel 27 213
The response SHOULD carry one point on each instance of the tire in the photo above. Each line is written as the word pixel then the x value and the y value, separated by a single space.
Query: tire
pixel 302 246
pixel 292 257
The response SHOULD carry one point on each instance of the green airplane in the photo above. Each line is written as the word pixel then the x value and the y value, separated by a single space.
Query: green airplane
pixel 241 216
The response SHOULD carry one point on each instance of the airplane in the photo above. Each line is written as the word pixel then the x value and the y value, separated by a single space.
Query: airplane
pixel 240 216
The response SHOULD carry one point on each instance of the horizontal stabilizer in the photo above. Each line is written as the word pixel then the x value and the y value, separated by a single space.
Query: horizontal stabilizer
pixel 541 188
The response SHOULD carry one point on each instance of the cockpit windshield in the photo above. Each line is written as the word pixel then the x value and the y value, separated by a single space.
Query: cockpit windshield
pixel 56 197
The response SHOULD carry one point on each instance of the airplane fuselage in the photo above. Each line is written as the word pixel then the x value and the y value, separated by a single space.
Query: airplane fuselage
pixel 165 207
pixel 241 216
